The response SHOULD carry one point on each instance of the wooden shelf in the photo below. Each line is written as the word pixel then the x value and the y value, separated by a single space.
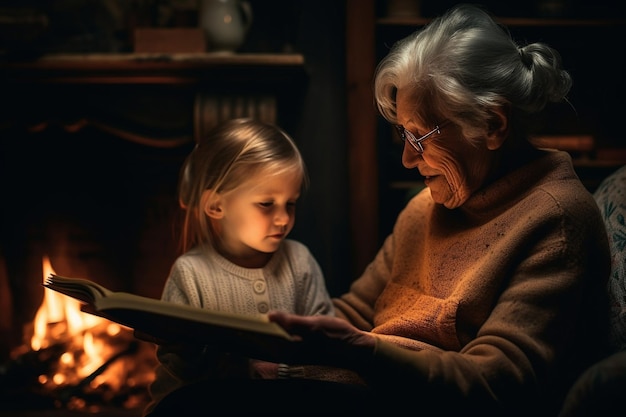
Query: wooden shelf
pixel 187 59
pixel 510 21
pixel 579 164
pixel 598 163
pixel 150 68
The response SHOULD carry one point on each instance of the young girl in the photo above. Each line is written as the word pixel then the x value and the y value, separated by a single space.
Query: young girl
pixel 239 188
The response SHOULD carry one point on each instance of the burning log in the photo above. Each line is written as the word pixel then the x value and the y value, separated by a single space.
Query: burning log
pixel 66 393
pixel 76 361
pixel 19 377
pixel 25 380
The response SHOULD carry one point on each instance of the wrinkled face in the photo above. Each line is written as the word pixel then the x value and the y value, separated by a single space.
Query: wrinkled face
pixel 257 217
pixel 453 167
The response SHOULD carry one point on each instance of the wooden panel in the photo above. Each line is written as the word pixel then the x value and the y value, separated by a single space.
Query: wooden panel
pixel 363 165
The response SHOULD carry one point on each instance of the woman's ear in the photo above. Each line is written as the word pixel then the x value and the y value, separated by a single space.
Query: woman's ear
pixel 211 204
pixel 498 127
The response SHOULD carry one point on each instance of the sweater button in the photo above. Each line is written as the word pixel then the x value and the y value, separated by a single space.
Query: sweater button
pixel 259 286
pixel 263 308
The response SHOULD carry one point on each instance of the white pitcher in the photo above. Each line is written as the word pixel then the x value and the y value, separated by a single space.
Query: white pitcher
pixel 225 23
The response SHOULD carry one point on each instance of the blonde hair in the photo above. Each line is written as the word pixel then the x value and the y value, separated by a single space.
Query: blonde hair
pixel 233 153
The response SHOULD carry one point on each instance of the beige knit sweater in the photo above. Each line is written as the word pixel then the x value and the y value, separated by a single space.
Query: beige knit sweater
pixel 498 302
pixel 291 281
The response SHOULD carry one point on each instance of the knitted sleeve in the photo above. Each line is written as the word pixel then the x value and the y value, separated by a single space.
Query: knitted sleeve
pixel 312 294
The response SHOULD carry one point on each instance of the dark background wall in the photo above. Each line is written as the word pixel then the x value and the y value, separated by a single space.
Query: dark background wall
pixel 317 115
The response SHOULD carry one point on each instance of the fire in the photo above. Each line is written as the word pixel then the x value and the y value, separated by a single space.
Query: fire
pixel 84 353
pixel 57 308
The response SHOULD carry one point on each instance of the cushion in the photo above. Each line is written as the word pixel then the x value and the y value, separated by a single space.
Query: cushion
pixel 611 198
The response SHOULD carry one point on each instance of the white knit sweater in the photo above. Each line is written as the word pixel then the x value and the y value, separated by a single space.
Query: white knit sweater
pixel 291 281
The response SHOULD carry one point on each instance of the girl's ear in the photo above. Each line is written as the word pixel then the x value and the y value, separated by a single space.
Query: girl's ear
pixel 498 127
pixel 211 204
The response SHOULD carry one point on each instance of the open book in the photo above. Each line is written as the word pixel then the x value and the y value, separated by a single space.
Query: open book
pixel 165 322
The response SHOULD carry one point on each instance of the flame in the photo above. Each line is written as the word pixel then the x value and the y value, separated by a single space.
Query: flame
pixel 89 340
pixel 90 354
pixel 59 309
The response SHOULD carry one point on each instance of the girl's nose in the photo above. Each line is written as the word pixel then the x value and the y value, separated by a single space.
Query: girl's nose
pixel 282 217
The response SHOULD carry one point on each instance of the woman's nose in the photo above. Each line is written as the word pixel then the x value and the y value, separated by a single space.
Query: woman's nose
pixel 409 156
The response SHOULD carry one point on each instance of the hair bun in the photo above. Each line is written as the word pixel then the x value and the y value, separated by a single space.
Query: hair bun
pixel 527 58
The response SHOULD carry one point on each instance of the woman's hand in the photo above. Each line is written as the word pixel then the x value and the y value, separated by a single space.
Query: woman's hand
pixel 327 340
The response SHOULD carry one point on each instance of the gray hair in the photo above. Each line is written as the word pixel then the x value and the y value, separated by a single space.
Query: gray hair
pixel 462 64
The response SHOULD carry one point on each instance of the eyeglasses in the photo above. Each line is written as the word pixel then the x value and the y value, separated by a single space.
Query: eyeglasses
pixel 417 142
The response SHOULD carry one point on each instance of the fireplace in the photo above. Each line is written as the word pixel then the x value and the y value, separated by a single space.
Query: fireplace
pixel 97 206
pixel 90 149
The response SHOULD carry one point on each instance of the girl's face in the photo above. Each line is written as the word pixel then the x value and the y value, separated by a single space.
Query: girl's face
pixel 452 167
pixel 256 217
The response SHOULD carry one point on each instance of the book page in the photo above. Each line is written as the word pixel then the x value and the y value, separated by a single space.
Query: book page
pixel 165 322
pixel 81 289
pixel 121 304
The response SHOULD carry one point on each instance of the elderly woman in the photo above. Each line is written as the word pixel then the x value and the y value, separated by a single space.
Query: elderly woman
pixel 488 296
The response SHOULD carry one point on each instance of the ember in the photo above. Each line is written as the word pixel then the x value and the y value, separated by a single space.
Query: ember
pixel 77 361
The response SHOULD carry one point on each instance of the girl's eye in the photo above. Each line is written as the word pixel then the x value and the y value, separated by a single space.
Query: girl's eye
pixel 266 204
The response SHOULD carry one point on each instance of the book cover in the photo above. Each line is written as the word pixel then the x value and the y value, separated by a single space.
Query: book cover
pixel 161 322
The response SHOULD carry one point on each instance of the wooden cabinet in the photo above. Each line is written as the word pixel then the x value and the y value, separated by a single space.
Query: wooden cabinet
pixel 162 100
pixel 588 126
